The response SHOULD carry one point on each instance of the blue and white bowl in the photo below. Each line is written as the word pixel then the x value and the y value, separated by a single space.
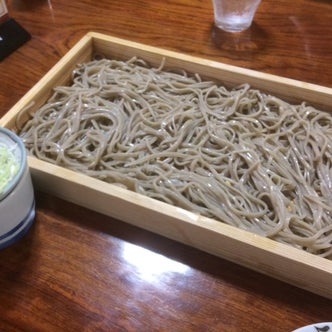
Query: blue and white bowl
pixel 318 327
pixel 17 201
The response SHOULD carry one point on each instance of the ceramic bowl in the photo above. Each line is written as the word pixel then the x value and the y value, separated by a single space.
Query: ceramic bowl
pixel 17 201
pixel 318 327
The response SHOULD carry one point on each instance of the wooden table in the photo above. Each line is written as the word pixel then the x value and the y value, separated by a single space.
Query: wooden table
pixel 77 270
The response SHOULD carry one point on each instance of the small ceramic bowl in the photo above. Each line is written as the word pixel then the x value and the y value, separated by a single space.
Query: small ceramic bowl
pixel 17 201
pixel 318 327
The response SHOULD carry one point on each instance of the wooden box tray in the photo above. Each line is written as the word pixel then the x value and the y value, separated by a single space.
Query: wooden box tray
pixel 280 261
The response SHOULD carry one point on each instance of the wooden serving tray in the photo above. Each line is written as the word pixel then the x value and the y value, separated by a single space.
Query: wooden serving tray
pixel 280 261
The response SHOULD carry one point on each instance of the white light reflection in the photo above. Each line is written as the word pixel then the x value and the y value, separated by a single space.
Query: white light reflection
pixel 151 266
pixel 49 2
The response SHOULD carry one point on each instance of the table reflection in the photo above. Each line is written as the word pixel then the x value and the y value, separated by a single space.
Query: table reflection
pixel 151 266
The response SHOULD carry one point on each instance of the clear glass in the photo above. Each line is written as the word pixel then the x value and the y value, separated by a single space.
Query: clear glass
pixel 3 8
pixel 234 15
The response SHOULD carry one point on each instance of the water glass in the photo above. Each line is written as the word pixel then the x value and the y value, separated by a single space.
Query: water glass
pixel 234 15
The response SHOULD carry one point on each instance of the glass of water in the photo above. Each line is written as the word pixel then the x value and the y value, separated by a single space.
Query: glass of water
pixel 234 15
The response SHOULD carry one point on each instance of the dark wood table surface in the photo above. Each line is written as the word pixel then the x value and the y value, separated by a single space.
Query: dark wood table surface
pixel 77 270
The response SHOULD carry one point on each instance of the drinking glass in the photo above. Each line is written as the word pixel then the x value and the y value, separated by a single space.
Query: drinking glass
pixel 234 15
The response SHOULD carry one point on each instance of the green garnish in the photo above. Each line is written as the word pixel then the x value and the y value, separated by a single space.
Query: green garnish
pixel 8 166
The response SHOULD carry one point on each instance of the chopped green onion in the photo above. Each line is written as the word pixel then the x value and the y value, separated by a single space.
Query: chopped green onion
pixel 8 166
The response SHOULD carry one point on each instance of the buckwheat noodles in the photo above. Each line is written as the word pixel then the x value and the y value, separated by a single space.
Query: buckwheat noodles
pixel 237 155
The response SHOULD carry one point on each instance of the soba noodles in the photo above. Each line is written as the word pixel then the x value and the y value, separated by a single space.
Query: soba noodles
pixel 239 156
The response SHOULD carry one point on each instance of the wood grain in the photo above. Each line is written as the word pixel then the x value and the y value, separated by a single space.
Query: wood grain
pixel 77 270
